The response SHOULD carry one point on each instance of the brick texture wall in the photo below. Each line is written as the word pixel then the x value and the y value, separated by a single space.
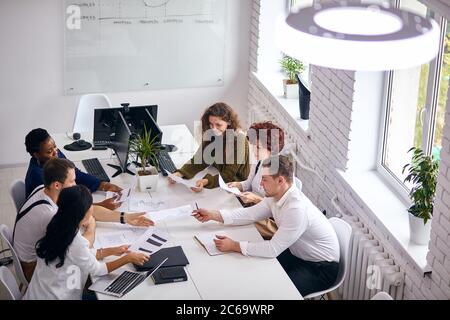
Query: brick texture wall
pixel 325 148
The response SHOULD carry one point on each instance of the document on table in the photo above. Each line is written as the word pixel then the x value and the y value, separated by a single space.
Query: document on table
pixel 225 187
pixel 123 195
pixel 177 179
pixel 179 212
pixel 151 241
pixel 207 241
pixel 124 235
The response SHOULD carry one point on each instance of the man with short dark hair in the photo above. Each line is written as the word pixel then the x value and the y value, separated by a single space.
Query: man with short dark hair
pixel 40 145
pixel 305 243
pixel 40 207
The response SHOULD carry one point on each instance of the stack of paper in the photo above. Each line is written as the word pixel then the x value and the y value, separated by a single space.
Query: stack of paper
pixel 179 212
pixel 207 241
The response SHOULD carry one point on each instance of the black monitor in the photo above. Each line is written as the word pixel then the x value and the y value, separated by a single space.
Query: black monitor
pixel 105 120
pixel 121 144
pixel 153 128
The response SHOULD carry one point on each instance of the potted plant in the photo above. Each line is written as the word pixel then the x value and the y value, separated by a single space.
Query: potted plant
pixel 145 148
pixel 422 172
pixel 291 67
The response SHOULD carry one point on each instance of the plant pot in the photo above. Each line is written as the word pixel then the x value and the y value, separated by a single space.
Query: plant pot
pixel 304 99
pixel 148 182
pixel 290 90
pixel 418 232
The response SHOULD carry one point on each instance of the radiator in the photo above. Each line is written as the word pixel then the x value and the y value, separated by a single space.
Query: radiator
pixel 370 267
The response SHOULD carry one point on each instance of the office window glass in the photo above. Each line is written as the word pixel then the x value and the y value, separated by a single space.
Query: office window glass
pixel 415 106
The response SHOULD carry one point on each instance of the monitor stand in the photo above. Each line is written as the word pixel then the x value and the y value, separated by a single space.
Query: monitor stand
pixel 120 170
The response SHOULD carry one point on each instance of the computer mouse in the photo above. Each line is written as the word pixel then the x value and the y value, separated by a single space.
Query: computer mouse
pixel 81 143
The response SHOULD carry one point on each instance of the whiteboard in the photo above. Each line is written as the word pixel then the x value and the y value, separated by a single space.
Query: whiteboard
pixel 122 45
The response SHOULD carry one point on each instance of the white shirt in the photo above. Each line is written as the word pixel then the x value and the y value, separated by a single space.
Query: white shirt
pixel 253 182
pixel 66 282
pixel 301 227
pixel 32 227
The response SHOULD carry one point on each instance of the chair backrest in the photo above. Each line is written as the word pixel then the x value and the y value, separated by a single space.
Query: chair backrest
pixel 18 193
pixel 6 236
pixel 382 296
pixel 344 233
pixel 9 290
pixel 84 117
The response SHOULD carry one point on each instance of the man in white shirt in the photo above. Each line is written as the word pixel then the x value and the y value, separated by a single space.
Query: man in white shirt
pixel 305 243
pixel 40 207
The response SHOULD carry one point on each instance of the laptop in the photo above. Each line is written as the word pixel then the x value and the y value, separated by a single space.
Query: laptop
pixel 124 283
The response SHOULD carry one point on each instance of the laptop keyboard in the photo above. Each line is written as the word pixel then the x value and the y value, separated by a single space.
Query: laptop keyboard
pixel 125 282
pixel 94 168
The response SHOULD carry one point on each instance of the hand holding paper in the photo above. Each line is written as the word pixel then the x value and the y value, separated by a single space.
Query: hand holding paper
pixel 225 187
pixel 177 179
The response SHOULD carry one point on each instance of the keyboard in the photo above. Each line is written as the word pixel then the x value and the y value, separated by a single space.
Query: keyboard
pixel 104 143
pixel 125 282
pixel 165 162
pixel 94 168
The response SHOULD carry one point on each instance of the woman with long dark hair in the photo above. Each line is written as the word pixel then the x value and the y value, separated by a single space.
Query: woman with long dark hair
pixel 64 258
pixel 224 147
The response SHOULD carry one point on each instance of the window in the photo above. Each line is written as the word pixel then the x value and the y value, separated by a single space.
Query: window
pixel 415 106
pixel 292 6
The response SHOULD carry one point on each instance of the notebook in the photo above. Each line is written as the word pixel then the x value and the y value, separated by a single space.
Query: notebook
pixel 175 257
pixel 207 241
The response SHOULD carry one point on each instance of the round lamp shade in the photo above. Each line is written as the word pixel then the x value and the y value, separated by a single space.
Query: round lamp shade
pixel 354 36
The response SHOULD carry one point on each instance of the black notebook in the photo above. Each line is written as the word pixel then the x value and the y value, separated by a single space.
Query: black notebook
pixel 175 255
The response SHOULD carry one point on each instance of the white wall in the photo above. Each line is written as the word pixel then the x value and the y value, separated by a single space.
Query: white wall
pixel 31 76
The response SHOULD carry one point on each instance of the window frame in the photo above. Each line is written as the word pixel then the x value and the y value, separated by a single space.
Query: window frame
pixel 429 117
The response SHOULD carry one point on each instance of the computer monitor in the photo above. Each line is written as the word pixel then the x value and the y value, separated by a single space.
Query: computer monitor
pixel 105 120
pixel 121 144
pixel 153 128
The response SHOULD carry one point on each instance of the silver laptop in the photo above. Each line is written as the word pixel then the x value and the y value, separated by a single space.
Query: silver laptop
pixel 118 286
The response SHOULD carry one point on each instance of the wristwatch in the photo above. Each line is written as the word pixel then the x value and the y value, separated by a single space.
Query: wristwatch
pixel 122 215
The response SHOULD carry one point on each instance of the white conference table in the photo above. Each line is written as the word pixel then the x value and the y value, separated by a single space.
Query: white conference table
pixel 222 277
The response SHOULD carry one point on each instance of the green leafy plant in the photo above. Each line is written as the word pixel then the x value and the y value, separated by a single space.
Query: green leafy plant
pixel 145 148
pixel 422 172
pixel 291 67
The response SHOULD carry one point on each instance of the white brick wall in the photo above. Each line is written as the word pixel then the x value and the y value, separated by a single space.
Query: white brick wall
pixel 325 149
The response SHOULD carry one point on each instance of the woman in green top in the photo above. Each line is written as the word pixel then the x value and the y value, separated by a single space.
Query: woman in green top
pixel 224 146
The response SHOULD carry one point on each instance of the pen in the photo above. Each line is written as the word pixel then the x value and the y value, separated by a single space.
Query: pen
pixel 196 205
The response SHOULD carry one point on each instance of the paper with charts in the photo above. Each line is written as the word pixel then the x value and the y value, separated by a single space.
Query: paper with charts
pixel 178 212
pixel 151 241
pixel 177 179
pixel 207 241
pixel 123 195
pixel 225 187
pixel 122 234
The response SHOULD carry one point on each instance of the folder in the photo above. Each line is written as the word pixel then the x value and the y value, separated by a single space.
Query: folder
pixel 175 255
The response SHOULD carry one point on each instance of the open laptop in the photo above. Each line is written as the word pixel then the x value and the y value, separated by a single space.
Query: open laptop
pixel 124 283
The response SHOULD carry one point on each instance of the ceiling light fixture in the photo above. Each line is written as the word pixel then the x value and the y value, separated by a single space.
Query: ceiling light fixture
pixel 355 36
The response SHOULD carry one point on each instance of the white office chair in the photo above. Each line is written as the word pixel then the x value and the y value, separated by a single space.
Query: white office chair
pixel 382 296
pixel 6 236
pixel 343 232
pixel 84 117
pixel 9 290
pixel 17 192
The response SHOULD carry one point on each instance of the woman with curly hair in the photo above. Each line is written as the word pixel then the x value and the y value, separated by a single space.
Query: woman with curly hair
pixel 224 147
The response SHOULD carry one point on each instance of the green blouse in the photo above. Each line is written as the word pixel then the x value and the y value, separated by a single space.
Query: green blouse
pixel 236 166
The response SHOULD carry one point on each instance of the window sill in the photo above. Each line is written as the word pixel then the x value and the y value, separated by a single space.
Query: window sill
pixel 389 215
pixel 272 83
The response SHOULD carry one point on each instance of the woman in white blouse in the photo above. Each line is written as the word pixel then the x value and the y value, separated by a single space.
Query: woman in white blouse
pixel 266 139
pixel 64 258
